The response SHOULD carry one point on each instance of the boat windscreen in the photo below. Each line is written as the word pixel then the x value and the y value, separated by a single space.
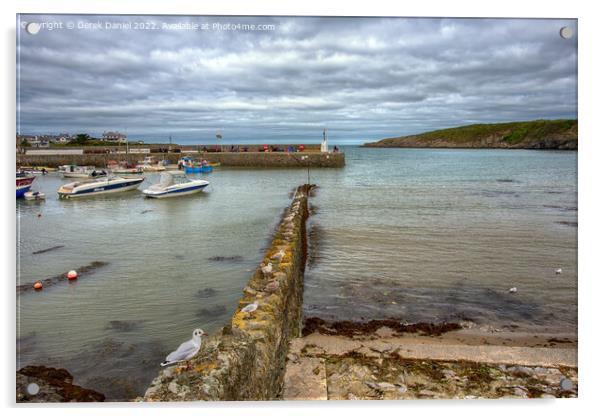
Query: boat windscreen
pixel 166 180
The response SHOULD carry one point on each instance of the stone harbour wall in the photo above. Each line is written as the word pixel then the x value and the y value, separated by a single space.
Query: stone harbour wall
pixel 246 361
pixel 241 159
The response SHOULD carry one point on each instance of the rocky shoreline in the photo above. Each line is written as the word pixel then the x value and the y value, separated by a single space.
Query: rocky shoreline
pixel 39 384
pixel 386 364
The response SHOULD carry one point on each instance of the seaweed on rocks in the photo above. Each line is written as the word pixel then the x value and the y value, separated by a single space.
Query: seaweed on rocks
pixel 226 258
pixel 207 292
pixel 55 385
pixel 46 250
pixel 351 328
pixel 50 281
pixel 212 311
pixel 124 326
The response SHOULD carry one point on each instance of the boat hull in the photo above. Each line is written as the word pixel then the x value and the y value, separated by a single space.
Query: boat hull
pixel 199 169
pixel 23 185
pixel 21 190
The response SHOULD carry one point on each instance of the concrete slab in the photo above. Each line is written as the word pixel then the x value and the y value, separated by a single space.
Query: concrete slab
pixel 305 379
pixel 434 350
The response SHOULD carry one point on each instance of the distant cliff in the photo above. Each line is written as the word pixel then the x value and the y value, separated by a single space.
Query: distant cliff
pixel 537 134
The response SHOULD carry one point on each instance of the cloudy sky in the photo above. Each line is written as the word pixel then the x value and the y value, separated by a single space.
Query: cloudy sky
pixel 362 78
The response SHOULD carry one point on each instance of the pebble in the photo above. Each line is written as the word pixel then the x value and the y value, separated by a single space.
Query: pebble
pixel 386 386
pixel 449 373
pixel 521 392
pixel 524 371
pixel 272 286
pixel 173 387
pixel 250 291
pixel 566 384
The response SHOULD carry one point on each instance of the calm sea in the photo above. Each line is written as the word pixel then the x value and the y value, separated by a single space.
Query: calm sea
pixel 414 234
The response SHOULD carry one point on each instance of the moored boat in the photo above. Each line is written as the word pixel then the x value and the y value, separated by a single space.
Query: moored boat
pixel 123 168
pixel 190 166
pixel 32 196
pixel 98 186
pixel 149 165
pixel 23 182
pixel 75 171
pixel 175 184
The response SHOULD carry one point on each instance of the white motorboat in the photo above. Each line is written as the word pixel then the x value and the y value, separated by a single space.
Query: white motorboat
pixel 174 184
pixel 98 186
pixel 74 171
pixel 31 195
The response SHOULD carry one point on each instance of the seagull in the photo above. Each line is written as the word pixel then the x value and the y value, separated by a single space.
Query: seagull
pixel 251 307
pixel 278 256
pixel 186 350
pixel 513 290
pixel 267 269
pixel 558 271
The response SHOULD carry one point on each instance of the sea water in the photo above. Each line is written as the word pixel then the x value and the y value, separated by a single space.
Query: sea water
pixel 413 234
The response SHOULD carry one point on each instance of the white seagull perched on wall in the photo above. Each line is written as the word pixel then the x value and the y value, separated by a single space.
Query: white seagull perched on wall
pixel 186 350
pixel 251 307
pixel 267 269
pixel 558 271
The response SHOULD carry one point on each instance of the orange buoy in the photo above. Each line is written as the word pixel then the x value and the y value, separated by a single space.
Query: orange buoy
pixel 37 285
pixel 72 275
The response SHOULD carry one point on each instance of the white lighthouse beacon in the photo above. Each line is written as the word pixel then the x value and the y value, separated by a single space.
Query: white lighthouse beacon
pixel 324 146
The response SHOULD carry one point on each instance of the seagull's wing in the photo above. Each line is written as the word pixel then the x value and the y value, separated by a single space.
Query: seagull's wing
pixel 184 351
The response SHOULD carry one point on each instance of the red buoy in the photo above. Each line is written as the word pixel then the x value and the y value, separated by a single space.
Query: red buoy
pixel 37 285
pixel 72 275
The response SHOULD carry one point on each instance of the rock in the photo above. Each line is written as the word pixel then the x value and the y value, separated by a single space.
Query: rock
pixel 427 393
pixel 520 391
pixel 402 389
pixel 249 291
pixel 566 384
pixel 272 286
pixel 449 373
pixel 206 293
pixel 53 385
pixel 386 386
pixel 521 371
pixel 547 396
pixel 168 372
pixel 173 387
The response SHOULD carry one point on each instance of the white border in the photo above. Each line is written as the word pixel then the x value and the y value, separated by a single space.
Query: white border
pixel 589 174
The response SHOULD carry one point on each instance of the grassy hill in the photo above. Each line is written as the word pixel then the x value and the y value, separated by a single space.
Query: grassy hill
pixel 537 134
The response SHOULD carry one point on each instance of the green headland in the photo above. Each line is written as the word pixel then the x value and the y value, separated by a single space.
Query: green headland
pixel 536 134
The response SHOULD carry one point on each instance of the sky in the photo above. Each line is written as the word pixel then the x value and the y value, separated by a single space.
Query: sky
pixel 285 79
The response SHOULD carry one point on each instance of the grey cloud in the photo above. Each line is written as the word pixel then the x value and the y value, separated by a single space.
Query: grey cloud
pixel 363 78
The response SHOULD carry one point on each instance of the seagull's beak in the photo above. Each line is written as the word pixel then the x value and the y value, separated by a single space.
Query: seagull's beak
pixel 204 335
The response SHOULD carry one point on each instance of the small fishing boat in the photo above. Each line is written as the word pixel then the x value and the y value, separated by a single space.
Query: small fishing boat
pixel 98 186
pixel 23 182
pixel 123 168
pixel 32 196
pixel 174 184
pixel 149 165
pixel 74 171
pixel 35 170
pixel 191 166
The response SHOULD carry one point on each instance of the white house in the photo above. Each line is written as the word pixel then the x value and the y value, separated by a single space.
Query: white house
pixel 114 136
